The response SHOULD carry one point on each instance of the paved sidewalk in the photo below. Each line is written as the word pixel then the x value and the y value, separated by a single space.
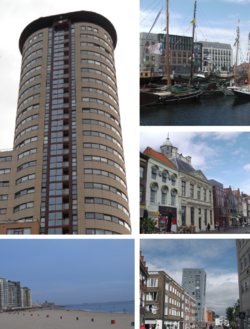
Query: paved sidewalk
pixel 229 230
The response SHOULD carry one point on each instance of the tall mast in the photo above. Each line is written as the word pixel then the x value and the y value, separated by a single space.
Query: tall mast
pixel 191 73
pixel 237 41
pixel 167 50
pixel 249 61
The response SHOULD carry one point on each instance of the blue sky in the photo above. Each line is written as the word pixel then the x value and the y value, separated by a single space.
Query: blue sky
pixel 222 156
pixel 216 256
pixel 68 271
pixel 216 20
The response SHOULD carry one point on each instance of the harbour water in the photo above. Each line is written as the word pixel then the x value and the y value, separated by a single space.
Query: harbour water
pixel 211 111
pixel 111 307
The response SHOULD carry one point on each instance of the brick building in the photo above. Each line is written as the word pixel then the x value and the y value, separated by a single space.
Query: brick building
pixel 165 299
pixel 189 311
pixel 143 288
pixel 220 203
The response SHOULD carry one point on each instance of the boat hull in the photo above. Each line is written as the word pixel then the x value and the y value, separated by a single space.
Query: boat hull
pixel 242 94
pixel 147 99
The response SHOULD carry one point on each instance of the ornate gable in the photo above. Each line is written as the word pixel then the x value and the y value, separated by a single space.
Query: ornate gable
pixel 199 174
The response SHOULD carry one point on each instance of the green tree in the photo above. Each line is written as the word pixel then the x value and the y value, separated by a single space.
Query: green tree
pixel 230 314
pixel 217 316
pixel 148 225
pixel 236 309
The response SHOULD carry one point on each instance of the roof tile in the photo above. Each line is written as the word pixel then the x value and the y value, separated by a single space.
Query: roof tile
pixel 157 155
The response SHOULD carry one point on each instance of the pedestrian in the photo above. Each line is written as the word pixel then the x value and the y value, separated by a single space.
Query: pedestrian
pixel 210 327
pixel 224 226
pixel 170 216
pixel 142 326
pixel 208 227
pixel 218 226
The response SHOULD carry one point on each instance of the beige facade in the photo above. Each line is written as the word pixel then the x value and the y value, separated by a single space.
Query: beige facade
pixel 243 261
pixel 67 167
pixel 195 200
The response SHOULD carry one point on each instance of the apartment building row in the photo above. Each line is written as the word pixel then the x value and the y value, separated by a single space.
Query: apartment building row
pixel 170 183
pixel 12 295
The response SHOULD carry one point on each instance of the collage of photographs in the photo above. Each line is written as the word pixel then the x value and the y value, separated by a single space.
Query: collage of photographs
pixel 72 122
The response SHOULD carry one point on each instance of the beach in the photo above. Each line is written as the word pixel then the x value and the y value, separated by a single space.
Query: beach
pixel 39 320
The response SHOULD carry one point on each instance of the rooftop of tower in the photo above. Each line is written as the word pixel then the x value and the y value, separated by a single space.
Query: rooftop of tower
pixel 74 17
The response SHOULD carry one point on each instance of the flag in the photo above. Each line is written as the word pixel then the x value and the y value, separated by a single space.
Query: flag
pixel 193 21
pixel 155 49
pixel 152 28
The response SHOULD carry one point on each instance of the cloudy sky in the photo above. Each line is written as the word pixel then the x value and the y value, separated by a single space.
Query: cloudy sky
pixel 222 156
pixel 217 257
pixel 70 271
pixel 15 15
pixel 216 20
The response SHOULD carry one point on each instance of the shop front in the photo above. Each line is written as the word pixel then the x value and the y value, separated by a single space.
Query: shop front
pixel 163 218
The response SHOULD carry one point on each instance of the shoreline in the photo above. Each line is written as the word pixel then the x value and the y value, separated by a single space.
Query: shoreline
pixel 60 309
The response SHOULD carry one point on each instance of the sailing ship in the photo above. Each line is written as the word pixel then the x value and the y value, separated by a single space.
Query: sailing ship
pixel 242 92
pixel 172 95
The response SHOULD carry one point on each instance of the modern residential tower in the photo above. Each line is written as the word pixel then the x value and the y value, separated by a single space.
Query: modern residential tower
pixel 66 172
pixel 194 284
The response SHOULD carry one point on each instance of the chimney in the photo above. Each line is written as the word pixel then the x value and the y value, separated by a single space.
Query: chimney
pixel 188 160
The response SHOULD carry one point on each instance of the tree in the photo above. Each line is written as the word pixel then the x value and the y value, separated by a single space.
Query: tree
pixel 236 309
pixel 230 314
pixel 148 225
pixel 217 316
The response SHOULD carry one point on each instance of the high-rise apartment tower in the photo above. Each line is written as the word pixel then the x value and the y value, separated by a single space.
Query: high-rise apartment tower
pixel 194 283
pixel 66 172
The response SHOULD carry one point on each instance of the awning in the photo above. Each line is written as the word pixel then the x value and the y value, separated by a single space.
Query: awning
pixel 150 214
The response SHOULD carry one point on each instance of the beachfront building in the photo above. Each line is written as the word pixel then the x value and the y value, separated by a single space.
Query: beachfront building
pixel 195 197
pixel 243 262
pixel 14 294
pixel 143 288
pixel 194 284
pixel 216 56
pixel 3 293
pixel 161 188
pixel 26 297
pixel 66 172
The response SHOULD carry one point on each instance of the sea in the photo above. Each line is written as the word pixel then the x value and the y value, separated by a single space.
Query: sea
pixel 219 110
pixel 111 307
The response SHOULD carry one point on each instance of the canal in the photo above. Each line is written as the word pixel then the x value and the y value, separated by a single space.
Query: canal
pixel 219 110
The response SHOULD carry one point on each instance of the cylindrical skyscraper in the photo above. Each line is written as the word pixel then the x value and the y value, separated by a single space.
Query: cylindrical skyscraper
pixel 67 166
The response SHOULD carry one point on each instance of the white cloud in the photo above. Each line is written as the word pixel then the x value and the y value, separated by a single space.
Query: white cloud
pixel 246 167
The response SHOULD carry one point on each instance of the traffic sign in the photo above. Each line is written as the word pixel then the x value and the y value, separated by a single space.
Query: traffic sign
pixel 242 315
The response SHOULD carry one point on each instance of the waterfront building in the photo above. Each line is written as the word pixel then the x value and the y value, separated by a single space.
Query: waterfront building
pixel 180 50
pixel 4 299
pixel 189 311
pixel 162 188
pixel 195 197
pixel 194 284
pixel 220 203
pixel 14 294
pixel 143 288
pixel 66 172
pixel 243 262
pixel 26 297
pixel 165 300
pixel 216 56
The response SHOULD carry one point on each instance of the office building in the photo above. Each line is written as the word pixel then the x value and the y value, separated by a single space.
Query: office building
pixel 194 284
pixel 243 262
pixel 66 172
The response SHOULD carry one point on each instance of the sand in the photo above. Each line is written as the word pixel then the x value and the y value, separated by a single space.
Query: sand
pixel 68 321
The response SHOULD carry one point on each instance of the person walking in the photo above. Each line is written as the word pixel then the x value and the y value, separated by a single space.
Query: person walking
pixel 218 226
pixel 170 216
pixel 142 326
pixel 224 226
pixel 208 227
